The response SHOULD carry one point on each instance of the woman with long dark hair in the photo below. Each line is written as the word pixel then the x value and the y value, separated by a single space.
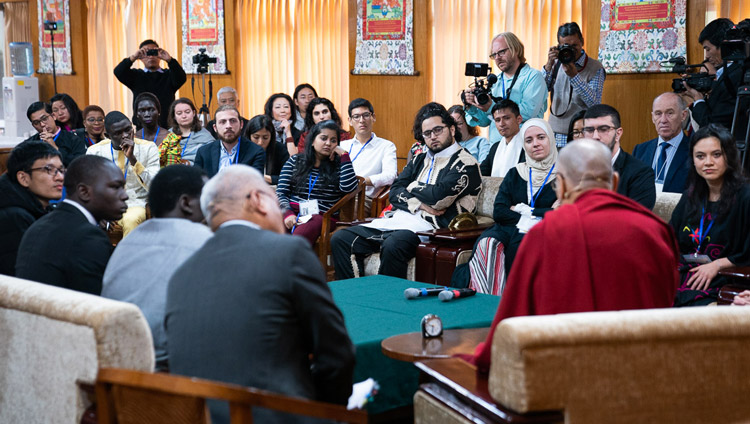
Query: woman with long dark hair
pixel 66 112
pixel 474 143
pixel 280 108
pixel 712 219
pixel 261 132
pixel 313 181
pixel 186 136
pixel 321 109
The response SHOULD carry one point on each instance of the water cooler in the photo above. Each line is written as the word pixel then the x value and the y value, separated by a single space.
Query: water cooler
pixel 19 91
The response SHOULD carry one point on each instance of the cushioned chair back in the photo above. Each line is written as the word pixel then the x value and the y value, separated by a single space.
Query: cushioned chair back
pixel 53 339
pixel 655 365
pixel 486 200
pixel 665 204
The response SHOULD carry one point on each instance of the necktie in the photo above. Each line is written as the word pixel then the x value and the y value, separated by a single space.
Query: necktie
pixel 661 170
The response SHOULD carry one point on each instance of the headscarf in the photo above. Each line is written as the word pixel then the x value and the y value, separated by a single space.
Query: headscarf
pixel 539 169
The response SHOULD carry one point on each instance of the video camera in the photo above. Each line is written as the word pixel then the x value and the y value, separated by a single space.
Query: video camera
pixel 736 44
pixel 700 81
pixel 202 60
pixel 483 82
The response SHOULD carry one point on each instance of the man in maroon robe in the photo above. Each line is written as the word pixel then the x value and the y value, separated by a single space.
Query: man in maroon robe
pixel 599 251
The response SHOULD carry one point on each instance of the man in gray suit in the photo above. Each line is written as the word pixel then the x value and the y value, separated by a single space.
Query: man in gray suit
pixel 252 306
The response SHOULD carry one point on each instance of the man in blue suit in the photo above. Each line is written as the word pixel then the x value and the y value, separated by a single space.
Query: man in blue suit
pixel 668 154
pixel 231 147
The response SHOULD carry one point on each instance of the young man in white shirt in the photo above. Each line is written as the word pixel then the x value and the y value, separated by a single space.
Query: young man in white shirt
pixel 373 158
pixel 507 152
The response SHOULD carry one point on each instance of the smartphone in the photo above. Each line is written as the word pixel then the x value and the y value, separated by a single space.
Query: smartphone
pixel 152 52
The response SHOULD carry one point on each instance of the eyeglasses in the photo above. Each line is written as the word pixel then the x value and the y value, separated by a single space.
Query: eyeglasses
pixel 499 53
pixel 577 133
pixel 435 131
pixel 50 170
pixel 601 129
pixel 94 120
pixel 366 115
pixel 40 120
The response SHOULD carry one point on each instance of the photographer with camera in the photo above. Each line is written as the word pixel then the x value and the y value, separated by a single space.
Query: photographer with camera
pixel 718 106
pixel 164 83
pixel 518 82
pixel 579 85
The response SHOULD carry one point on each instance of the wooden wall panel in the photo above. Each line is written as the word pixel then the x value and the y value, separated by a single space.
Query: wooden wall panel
pixel 76 84
pixel 219 80
pixel 396 99
pixel 633 94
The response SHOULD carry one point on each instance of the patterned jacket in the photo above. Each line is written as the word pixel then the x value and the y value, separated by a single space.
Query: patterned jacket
pixel 454 185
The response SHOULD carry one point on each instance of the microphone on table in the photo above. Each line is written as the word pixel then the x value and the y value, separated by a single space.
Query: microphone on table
pixel 412 293
pixel 450 294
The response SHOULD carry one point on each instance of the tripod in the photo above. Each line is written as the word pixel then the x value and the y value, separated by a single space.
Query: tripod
pixel 204 112
pixel 51 27
pixel 740 119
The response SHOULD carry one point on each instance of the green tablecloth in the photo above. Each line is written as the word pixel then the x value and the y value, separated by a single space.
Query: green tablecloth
pixel 374 309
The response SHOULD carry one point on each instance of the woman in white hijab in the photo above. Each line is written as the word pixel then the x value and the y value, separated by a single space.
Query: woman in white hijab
pixel 525 195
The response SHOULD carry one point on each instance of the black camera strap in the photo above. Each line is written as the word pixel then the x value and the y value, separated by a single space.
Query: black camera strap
pixel 551 88
pixel 513 82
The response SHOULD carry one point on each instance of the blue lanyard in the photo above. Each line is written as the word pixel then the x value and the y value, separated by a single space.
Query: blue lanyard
pixel 91 142
pixel 430 171
pixel 112 152
pixel 143 133
pixel 311 184
pixel 360 150
pixel 188 141
pixel 531 187
pixel 502 78
pixel 702 235
pixel 54 139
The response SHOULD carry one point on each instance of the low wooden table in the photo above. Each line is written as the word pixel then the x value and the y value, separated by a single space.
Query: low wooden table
pixel 412 347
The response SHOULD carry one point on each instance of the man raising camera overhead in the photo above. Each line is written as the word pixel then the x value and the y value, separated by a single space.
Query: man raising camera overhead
pixel 517 81
pixel 164 83
pixel 575 81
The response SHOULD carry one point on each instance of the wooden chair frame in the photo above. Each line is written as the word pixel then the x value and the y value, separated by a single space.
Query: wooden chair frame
pixel 351 207
pixel 178 399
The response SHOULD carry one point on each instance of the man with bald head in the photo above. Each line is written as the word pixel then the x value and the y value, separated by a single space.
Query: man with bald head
pixel 137 159
pixel 252 306
pixel 67 248
pixel 598 251
pixel 667 154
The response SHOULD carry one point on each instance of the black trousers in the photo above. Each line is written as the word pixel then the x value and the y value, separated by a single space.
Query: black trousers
pixel 396 249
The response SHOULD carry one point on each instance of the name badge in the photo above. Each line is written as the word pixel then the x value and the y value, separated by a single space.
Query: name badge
pixel 526 222
pixel 695 258
pixel 659 188
pixel 309 207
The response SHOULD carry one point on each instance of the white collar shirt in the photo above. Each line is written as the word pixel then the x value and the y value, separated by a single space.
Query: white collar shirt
pixel 374 159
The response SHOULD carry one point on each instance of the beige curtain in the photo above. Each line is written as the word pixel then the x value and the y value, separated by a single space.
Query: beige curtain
pixel 736 10
pixel 322 49
pixel 16 26
pixel 282 43
pixel 115 28
pixel 463 30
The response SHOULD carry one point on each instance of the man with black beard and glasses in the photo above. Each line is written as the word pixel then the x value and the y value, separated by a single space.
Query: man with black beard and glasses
pixel 231 148
pixel 434 187
pixel 602 123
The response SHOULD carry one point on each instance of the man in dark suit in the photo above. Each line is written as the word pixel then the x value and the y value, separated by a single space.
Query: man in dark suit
pixel 602 123
pixel 231 147
pixel 668 154
pixel 252 306
pixel 718 107
pixel 67 143
pixel 66 248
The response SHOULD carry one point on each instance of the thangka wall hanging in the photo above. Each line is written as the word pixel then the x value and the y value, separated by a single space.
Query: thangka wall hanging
pixel 635 36
pixel 55 12
pixel 203 27
pixel 385 37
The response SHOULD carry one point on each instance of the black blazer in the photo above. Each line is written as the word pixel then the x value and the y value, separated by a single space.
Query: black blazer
pixel 249 308
pixel 64 249
pixel 677 172
pixel 718 108
pixel 250 154
pixel 69 144
pixel 486 166
pixel 636 180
